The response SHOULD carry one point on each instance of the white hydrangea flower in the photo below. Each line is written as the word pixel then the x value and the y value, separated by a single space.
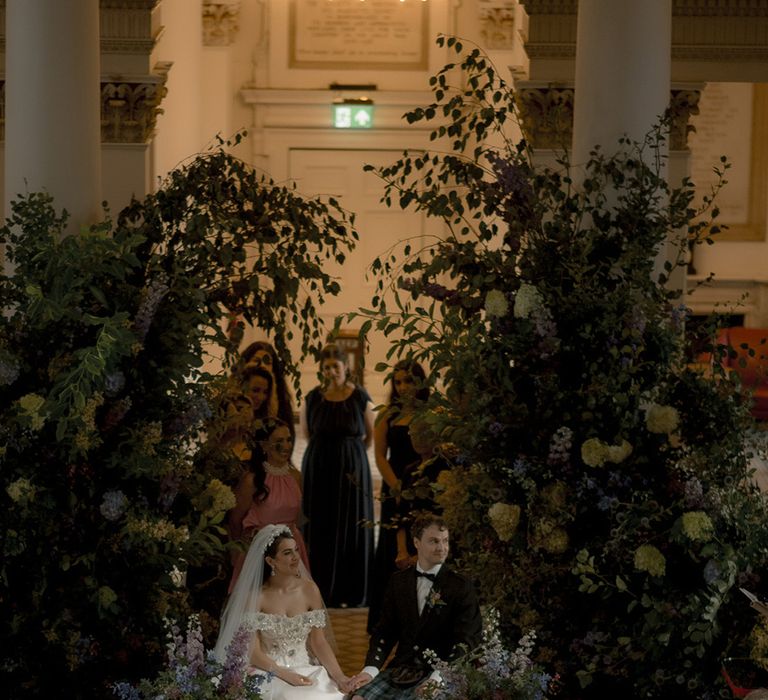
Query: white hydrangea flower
pixel 527 300
pixel 618 453
pixel 21 491
pixel 504 518
pixel 594 452
pixel 662 419
pixel 496 304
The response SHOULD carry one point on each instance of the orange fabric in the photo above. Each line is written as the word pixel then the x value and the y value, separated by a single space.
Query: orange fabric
pixel 752 369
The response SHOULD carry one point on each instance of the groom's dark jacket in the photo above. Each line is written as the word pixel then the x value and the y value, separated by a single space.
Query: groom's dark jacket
pixel 451 616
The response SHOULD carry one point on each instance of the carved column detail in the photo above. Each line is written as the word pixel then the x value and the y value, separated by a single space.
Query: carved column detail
pixel 683 104
pixel 220 22
pixel 546 115
pixel 498 23
pixel 129 108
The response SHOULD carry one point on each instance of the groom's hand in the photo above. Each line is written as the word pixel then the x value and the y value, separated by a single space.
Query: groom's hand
pixel 359 680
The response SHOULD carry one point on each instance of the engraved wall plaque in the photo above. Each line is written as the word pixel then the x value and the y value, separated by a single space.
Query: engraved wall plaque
pixel 375 34
pixel 733 121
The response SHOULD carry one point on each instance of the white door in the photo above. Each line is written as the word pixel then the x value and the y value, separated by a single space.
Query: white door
pixel 339 173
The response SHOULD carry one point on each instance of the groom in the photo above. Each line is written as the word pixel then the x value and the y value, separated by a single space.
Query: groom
pixel 425 607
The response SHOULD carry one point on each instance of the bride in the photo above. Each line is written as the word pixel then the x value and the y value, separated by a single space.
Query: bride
pixel 285 613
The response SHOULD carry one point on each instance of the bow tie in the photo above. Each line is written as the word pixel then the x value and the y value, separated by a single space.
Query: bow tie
pixel 431 577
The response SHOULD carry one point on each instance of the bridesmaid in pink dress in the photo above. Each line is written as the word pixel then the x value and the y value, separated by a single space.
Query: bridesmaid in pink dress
pixel 269 492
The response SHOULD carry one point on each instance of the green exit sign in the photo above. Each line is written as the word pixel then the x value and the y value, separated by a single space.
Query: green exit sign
pixel 352 116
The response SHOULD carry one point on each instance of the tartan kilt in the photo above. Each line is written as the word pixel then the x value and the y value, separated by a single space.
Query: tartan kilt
pixel 381 688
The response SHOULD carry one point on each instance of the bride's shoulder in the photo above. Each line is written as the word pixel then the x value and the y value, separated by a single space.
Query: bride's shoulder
pixel 312 592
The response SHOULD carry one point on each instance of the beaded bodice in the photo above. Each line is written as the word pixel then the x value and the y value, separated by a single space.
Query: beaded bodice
pixel 284 638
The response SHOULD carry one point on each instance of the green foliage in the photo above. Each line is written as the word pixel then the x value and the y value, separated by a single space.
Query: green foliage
pixel 601 492
pixel 104 394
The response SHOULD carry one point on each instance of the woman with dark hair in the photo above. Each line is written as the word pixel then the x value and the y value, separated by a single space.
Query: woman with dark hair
pixel 268 492
pixel 338 500
pixel 395 454
pixel 262 355
pixel 282 611
pixel 258 385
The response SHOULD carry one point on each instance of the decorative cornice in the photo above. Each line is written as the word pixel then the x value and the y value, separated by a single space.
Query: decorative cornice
pixel 703 52
pixel 551 7
pixel 126 26
pixel 146 5
pixel 683 103
pixel 546 115
pixel 220 22
pixel 129 107
pixel 720 8
pixel 689 8
pixel 702 30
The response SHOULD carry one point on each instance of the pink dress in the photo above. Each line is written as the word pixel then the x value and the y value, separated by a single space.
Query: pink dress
pixel 281 507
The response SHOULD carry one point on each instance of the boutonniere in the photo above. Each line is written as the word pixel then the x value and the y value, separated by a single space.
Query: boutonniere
pixel 434 599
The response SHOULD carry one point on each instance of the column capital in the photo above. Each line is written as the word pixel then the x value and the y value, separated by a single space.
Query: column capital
pixel 129 107
pixel 546 114
pixel 221 21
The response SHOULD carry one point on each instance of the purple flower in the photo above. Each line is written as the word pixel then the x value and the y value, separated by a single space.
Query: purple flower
pixel 711 572
pixel 694 493
pixel 114 383
pixel 519 467
pixel 125 691
pixel 560 446
pixel 113 505
pixel 604 503
pixel 169 488
pixel 234 664
pixel 679 314
pixel 196 412
pixel 195 649
pixel 9 372
pixel 153 295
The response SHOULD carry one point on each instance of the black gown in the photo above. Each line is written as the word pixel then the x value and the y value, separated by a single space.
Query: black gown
pixel 401 455
pixel 338 498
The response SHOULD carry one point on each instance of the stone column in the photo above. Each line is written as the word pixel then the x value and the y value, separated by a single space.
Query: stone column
pixel 52 90
pixel 623 73
pixel 623 64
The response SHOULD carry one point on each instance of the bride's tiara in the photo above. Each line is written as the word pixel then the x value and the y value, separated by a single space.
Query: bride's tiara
pixel 277 530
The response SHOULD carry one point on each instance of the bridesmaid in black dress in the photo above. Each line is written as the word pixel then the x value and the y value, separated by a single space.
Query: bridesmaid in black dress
pixel 395 454
pixel 338 493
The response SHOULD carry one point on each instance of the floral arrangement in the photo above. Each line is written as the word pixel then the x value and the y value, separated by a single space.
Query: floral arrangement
pixel 113 499
pixel 491 671
pixel 600 488
pixel 194 674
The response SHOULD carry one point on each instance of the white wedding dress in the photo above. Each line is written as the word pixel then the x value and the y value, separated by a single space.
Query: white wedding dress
pixel 284 640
